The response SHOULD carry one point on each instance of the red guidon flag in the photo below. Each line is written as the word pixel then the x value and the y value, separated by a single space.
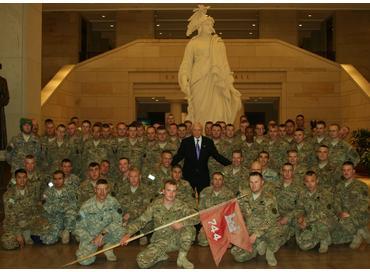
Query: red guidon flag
pixel 224 224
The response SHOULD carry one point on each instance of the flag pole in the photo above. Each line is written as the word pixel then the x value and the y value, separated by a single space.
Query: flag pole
pixel 144 234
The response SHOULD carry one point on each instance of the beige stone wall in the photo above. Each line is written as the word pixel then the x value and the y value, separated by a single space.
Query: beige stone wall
pixel 353 39
pixel 60 42
pixel 132 25
pixel 20 55
pixel 279 24
pixel 305 83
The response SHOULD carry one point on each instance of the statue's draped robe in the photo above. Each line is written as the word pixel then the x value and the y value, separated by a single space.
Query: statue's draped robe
pixel 212 96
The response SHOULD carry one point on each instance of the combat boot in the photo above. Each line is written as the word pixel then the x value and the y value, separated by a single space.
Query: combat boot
pixel 110 254
pixel 143 241
pixel 65 237
pixel 270 258
pixel 27 237
pixel 261 248
pixel 323 247
pixel 364 232
pixel 183 262
pixel 357 240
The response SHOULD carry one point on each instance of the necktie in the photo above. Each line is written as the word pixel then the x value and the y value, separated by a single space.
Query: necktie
pixel 197 148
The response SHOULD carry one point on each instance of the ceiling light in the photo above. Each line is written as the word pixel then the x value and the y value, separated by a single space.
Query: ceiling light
pixel 309 15
pixel 153 98
pixel 156 100
pixel 220 33
pixel 111 25
pixel 160 33
pixel 250 33
pixel 158 25
pixel 253 24
pixel 300 25
pixel 103 16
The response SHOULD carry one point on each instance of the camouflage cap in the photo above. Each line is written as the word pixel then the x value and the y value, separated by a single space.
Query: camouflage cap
pixel 23 121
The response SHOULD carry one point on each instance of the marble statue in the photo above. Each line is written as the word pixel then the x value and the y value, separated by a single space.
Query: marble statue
pixel 204 74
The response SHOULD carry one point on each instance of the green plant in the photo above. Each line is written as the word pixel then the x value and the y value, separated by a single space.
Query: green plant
pixel 361 140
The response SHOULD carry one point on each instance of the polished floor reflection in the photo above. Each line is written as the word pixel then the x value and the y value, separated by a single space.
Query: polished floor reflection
pixel 289 256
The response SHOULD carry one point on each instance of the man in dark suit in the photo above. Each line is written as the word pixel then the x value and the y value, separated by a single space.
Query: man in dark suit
pixel 196 150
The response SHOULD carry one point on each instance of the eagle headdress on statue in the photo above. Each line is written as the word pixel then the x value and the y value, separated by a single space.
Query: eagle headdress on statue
pixel 198 18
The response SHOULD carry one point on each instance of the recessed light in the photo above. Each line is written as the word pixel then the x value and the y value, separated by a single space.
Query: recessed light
pixel 253 24
pixel 250 33
pixel 160 33
pixel 309 15
pixel 158 25
pixel 111 25
pixel 220 33
pixel 300 25
pixel 156 100
pixel 103 16
pixel 153 98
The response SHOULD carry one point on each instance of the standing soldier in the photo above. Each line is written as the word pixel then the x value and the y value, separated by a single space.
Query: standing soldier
pixel 57 150
pixel 235 173
pixel 150 155
pixel 220 144
pixel 99 223
pixel 249 147
pixel 339 150
pixel 172 135
pixel 118 150
pixel 277 148
pixel 177 237
pixel 87 187
pixel 260 213
pixel 304 148
pixel 184 190
pixel 351 207
pixel 211 196
pixel 122 178
pixel 289 131
pixel 60 208
pixel 315 214
pixel 45 140
pixel 299 168
pixel 268 174
pixel 21 214
pixel 74 140
pixel 25 143
pixel 320 137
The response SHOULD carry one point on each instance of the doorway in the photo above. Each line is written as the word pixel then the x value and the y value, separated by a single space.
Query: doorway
pixel 262 110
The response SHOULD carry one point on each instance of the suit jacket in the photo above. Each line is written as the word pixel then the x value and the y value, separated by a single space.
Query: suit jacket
pixel 194 170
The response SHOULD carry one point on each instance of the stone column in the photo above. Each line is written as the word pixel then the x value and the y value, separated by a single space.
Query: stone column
pixel 175 107
pixel 20 55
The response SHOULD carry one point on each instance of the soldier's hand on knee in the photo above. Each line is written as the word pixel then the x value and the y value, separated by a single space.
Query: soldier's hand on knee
pixel 283 220
pixel 343 215
pixel 177 226
pixel 98 240
pixel 20 240
pixel 252 238
pixel 124 240
pixel 126 217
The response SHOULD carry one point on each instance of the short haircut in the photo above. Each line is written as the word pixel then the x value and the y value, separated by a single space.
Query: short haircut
pixel 20 171
pixel 30 157
pixel 216 125
pixel 176 166
pixel 59 172
pixel 254 174
pixel 287 164
pixel 299 129
pixel 124 158
pixel 134 169
pixel 87 122
pixel 348 163
pixel 335 124
pixel 101 181
pixel 66 161
pixel 323 145
pixel 161 128
pixel 105 125
pixel 311 173
pixel 264 152
pixel 170 181
pixel 181 125
pixel 299 115
pixel 292 151
pixel 61 125
pixel 321 122
pixel 209 123
pixel 290 121
pixel 48 121
pixel 166 152
pixel 229 125
pixel 282 126
pixel 173 124
pixel 105 161
pixel 238 151
pixel 94 164
pixel 218 173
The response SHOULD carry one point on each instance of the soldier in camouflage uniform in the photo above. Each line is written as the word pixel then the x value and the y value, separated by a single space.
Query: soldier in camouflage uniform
pixel 260 138
pixel 320 137
pixel 118 150
pixel 154 178
pixel 351 207
pixel 269 175
pixel 172 135
pixel 260 213
pixel 95 149
pixel 60 208
pixel 70 180
pixel 99 223
pixel 181 131
pixel 134 199
pixel 232 142
pixel 22 218
pixel 299 168
pixel 240 133
pixel 121 181
pixel 304 148
pixel 289 131
pixel 287 192
pixel 249 147
pixel 315 215
pixel 106 171
pixel 211 196
pixel 141 137
pixel 177 237
pixel 184 190
pixel 45 140
pixel 25 143
pixel 57 150
pixel 339 150
pixel 87 187
pixel 208 129
pixel 74 140
pixel 153 152
pixel 327 172
pixel 149 155
pixel 221 146
pixel 235 173
pixel 277 148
